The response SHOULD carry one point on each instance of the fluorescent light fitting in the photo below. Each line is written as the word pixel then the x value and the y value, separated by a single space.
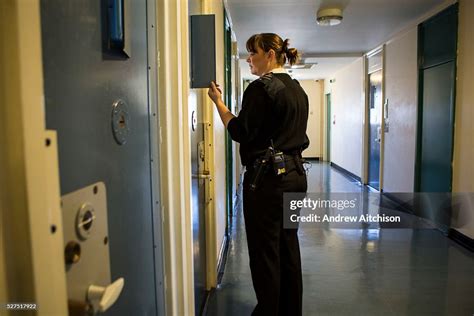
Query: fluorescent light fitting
pixel 302 65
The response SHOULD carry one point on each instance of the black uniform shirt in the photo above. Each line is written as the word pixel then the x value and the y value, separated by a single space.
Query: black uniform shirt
pixel 273 107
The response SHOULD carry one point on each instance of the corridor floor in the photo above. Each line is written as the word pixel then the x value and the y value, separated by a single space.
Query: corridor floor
pixel 359 271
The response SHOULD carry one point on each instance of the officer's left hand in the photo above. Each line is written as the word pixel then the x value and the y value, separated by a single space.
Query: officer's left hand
pixel 214 92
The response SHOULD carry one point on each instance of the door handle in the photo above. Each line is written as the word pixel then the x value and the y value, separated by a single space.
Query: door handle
pixel 205 175
pixel 106 296
pixel 379 134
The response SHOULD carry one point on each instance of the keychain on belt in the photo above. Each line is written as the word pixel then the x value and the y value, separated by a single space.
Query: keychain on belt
pixel 278 161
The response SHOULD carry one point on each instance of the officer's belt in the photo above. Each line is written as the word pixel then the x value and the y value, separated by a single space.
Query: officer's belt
pixel 290 163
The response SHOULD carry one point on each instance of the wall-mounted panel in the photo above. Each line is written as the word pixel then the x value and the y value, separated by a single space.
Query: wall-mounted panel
pixel 203 50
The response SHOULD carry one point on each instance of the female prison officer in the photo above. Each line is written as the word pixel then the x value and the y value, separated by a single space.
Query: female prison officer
pixel 274 113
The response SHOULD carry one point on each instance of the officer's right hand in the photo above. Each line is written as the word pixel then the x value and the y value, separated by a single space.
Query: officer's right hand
pixel 214 92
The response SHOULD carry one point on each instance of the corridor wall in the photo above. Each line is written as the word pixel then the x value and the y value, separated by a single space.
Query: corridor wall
pixel 402 94
pixel 401 91
pixel 346 116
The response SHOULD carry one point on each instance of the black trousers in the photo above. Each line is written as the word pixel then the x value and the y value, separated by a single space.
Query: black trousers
pixel 274 252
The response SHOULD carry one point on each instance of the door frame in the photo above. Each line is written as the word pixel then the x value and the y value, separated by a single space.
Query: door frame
pixel 175 155
pixel 369 68
pixel 31 238
pixel 328 102
pixel 154 118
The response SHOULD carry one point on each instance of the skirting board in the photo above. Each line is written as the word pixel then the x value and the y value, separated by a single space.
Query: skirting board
pixel 345 172
pixel 222 260
pixel 451 233
pixel 461 239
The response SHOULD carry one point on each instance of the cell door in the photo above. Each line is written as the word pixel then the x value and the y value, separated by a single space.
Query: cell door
pixel 437 136
pixel 228 140
pixel 375 132
pixel 97 99
pixel 438 49
pixel 199 178
pixel 199 183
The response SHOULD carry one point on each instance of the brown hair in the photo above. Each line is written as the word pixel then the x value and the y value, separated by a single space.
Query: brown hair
pixel 267 41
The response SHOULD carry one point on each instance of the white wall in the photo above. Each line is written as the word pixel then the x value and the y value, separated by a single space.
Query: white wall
pixel 313 89
pixel 463 170
pixel 347 108
pixel 401 86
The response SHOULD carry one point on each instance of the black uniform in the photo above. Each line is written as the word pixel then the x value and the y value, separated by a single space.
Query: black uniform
pixel 274 107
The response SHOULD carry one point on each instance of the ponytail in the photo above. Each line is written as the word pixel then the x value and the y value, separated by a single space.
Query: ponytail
pixel 291 53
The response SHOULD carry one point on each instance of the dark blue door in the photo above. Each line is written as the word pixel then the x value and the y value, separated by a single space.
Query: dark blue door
pixel 438 49
pixel 375 120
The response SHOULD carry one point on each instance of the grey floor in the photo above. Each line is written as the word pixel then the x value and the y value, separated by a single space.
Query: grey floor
pixel 359 271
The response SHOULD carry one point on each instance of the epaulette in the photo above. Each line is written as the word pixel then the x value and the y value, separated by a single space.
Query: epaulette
pixel 271 84
pixel 267 77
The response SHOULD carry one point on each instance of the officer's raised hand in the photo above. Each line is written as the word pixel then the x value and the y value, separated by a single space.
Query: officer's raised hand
pixel 215 94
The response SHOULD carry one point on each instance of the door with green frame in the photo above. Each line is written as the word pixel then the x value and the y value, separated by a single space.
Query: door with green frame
pixel 228 101
pixel 437 79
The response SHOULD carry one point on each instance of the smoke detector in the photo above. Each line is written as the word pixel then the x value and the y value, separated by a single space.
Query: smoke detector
pixel 329 16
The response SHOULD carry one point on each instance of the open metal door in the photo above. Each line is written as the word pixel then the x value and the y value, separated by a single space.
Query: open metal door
pixel 200 177
pixel 228 141
pixel 375 112
pixel 97 98
pixel 375 128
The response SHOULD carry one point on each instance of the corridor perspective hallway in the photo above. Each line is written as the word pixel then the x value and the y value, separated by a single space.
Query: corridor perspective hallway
pixel 359 271
pixel 120 174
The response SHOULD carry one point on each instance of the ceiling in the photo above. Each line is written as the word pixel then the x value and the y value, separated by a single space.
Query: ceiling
pixel 366 24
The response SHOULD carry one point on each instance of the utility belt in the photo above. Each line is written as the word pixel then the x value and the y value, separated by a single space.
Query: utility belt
pixel 275 162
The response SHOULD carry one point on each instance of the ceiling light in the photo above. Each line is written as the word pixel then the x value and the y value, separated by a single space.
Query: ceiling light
pixel 297 66
pixel 300 66
pixel 329 17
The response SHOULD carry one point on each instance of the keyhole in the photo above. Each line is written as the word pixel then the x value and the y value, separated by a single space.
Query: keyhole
pixel 122 121
pixel 87 220
pixel 72 253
